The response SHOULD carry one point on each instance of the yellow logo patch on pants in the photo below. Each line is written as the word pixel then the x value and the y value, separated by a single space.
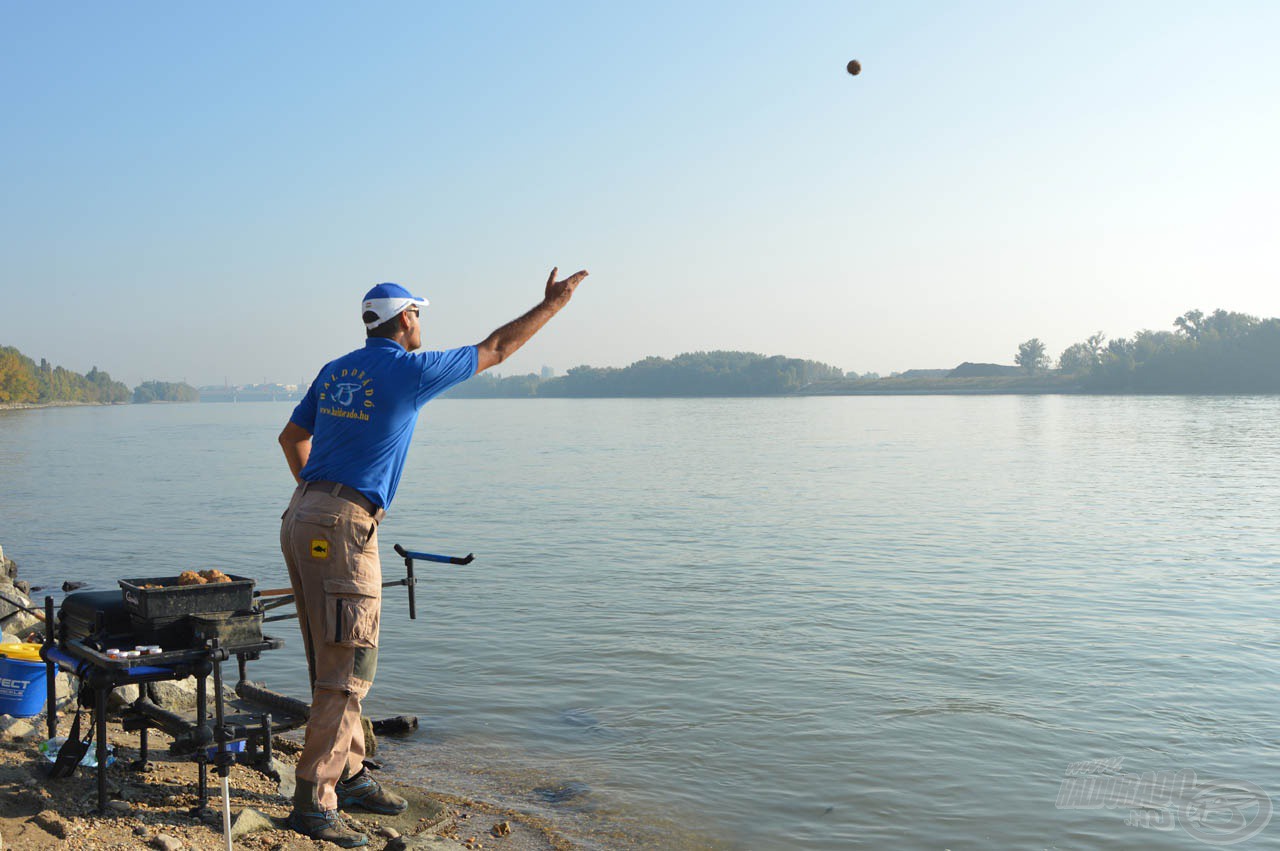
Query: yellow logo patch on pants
pixel 319 548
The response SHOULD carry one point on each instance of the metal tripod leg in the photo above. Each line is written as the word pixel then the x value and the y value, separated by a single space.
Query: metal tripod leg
pixel 202 756
pixel 100 693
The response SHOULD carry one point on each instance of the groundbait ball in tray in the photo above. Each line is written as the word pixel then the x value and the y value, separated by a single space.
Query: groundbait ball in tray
pixel 215 575
pixel 190 577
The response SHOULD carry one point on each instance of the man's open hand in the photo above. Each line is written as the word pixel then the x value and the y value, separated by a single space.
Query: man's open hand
pixel 501 344
pixel 559 292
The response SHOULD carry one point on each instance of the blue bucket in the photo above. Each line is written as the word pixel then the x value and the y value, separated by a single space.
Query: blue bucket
pixel 22 682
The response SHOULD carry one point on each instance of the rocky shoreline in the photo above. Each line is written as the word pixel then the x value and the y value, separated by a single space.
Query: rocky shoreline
pixel 152 806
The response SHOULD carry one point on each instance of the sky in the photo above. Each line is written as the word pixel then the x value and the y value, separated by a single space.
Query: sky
pixel 204 192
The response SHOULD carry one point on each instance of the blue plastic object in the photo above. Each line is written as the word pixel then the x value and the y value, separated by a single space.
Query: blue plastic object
pixel 22 688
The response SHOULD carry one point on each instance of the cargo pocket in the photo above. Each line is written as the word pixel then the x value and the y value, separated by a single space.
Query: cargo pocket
pixel 366 530
pixel 352 612
pixel 315 532
pixel 328 519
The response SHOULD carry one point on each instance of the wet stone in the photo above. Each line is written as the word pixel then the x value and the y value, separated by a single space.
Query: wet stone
pixel 563 793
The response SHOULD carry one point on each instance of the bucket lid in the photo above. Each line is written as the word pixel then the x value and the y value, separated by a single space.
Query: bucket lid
pixel 21 651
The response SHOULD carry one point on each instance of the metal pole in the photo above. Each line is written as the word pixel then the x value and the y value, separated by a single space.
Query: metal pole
pixel 220 735
pixel 50 672
pixel 102 687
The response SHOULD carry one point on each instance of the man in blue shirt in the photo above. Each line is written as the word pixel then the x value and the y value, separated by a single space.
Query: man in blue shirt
pixel 346 443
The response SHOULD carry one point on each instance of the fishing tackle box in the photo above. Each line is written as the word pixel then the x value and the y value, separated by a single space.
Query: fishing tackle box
pixel 167 614
pixel 86 613
pixel 168 599
pixel 101 619
pixel 232 629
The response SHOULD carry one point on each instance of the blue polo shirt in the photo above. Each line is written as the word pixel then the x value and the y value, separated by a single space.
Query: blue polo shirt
pixel 362 408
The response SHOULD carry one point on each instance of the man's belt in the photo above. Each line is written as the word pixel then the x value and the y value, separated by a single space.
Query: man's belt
pixel 346 492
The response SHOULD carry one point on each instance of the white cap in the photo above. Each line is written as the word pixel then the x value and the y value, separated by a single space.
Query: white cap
pixel 386 301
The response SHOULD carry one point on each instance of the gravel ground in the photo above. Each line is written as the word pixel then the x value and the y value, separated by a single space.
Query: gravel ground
pixel 153 808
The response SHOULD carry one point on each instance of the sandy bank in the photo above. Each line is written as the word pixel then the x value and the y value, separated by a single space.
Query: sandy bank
pixel 152 808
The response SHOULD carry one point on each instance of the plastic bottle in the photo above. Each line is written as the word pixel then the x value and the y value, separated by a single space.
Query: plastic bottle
pixel 51 747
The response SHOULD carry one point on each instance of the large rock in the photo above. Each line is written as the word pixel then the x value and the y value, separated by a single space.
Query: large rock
pixel 13 620
pixel 52 823
pixel 65 688
pixel 252 821
pixel 13 729
pixel 175 695
pixel 165 842
pixel 288 779
pixel 122 697
pixel 18 591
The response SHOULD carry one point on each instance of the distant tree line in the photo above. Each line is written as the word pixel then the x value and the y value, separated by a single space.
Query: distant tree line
pixel 1222 352
pixel 24 381
pixel 488 385
pixel 165 391
pixel 694 374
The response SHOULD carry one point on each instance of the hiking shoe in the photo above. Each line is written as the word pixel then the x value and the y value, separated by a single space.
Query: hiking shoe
pixel 328 826
pixel 365 792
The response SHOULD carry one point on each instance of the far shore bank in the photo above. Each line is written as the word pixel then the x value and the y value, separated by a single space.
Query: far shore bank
pixel 28 406
pixel 891 387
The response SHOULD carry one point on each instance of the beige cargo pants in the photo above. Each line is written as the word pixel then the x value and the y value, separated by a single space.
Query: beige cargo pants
pixel 331 548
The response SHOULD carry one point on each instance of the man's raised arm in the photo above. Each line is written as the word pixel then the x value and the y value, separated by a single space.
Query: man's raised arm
pixel 501 344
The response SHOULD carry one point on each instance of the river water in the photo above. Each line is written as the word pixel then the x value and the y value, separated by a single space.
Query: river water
pixel 816 623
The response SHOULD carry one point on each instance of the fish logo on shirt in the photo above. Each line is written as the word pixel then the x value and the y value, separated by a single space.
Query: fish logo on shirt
pixel 344 388
pixel 344 394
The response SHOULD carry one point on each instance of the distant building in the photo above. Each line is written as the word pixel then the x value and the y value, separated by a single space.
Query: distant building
pixel 269 392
